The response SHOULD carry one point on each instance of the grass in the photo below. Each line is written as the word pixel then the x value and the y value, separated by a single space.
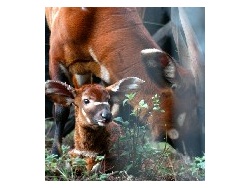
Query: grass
pixel 138 158
pixel 151 164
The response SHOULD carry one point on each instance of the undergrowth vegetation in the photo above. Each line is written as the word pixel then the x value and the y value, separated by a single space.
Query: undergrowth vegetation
pixel 137 158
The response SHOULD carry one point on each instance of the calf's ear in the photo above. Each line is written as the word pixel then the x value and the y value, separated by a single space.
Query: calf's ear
pixel 124 86
pixel 59 92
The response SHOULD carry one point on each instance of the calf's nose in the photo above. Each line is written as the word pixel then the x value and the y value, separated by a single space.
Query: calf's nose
pixel 107 116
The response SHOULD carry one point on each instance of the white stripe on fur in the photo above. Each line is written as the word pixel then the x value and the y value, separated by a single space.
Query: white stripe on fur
pixel 85 115
pixel 104 71
pixel 98 103
pixel 150 50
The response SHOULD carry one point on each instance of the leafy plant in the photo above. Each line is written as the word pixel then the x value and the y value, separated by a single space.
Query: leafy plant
pixel 128 97
pixel 156 103
pixel 135 145
pixel 198 166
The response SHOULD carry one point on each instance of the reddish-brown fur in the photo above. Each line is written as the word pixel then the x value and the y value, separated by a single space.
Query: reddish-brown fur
pixel 99 29
pixel 99 140
pixel 107 43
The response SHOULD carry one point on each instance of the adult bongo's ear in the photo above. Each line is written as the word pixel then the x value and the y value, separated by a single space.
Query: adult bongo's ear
pixel 160 67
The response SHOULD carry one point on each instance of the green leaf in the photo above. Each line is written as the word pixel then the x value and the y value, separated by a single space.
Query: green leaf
pixel 118 119
pixel 126 123
pixel 128 167
pixel 156 108
pixel 124 153
pixel 124 101
pixel 103 176
pixel 142 104
pixel 99 158
pixel 130 96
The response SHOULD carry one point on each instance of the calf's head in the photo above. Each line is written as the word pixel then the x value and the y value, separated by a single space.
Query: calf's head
pixel 93 105
pixel 92 101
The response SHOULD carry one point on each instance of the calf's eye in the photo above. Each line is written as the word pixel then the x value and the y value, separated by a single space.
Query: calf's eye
pixel 86 101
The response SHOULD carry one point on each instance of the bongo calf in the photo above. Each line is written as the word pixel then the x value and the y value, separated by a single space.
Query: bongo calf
pixel 95 132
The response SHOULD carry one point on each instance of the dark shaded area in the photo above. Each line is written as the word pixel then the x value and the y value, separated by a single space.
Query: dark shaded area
pixel 48 103
pixel 154 19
